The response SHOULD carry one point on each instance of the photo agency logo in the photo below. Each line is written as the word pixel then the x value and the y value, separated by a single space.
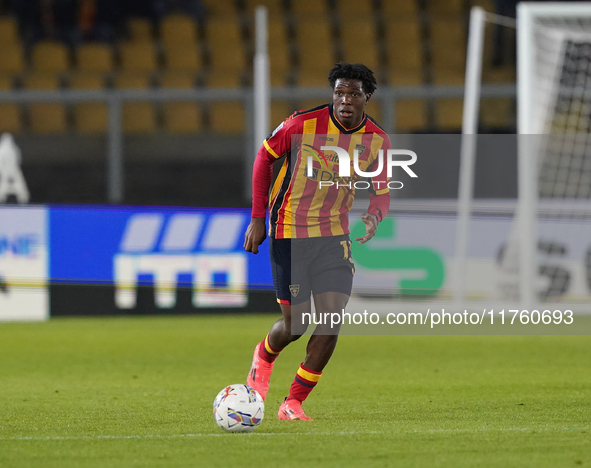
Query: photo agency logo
pixel 327 176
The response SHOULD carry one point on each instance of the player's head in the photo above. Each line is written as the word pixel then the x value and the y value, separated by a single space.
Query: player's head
pixel 352 85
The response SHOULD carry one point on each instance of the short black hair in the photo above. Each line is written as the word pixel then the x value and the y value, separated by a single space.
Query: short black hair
pixel 353 71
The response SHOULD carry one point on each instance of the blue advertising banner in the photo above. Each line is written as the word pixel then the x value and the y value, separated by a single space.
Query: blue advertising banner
pixel 127 247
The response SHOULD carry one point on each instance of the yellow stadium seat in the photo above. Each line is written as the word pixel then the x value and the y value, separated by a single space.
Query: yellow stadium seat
pixel 452 7
pixel 225 117
pixel 46 117
pixel 448 113
pixel 393 10
pixel 312 103
pixel 315 48
pixel 403 44
pixel 138 117
pixel 220 8
pixel 487 5
pixel 138 57
pixel 497 112
pixel 374 110
pixel 8 31
pixel 94 57
pixel 278 52
pixel 309 9
pixel 499 75
pixel 177 30
pixel 51 57
pixel 185 58
pixel 350 10
pixel 140 29
pixel 181 116
pixel 280 110
pixel 11 59
pixel 359 42
pixel 226 45
pixel 314 78
pixel 274 7
pixel 404 77
pixel 10 116
pixel 411 115
pixel 445 76
pixel 90 117
pixel 448 44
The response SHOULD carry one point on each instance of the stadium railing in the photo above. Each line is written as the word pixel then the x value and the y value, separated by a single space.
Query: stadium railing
pixel 115 98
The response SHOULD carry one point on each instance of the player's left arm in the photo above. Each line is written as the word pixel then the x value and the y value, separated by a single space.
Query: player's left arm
pixel 379 198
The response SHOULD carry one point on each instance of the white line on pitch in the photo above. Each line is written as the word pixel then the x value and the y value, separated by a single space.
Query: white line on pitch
pixel 252 434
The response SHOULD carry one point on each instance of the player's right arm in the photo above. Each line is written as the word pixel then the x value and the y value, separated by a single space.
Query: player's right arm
pixel 262 173
pixel 273 147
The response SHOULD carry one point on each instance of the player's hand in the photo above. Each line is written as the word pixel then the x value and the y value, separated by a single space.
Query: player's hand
pixel 255 235
pixel 371 227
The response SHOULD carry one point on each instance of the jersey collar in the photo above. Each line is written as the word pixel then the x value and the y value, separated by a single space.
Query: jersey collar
pixel 340 126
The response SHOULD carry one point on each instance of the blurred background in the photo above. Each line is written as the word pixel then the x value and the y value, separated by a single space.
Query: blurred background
pixel 173 151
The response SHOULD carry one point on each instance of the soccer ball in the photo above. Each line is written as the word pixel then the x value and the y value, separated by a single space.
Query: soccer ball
pixel 238 408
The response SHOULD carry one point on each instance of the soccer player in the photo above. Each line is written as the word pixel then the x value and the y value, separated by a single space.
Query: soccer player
pixel 308 222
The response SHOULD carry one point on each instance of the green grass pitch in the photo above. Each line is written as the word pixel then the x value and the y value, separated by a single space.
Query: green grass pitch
pixel 127 392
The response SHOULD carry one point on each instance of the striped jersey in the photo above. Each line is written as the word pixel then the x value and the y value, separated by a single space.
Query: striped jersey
pixel 315 202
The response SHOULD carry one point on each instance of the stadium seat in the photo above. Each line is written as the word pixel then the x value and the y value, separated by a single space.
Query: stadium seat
pixel 403 45
pixel 309 9
pixel 374 110
pixel 51 57
pixel 220 8
pixel 89 117
pixel 226 46
pixel 449 77
pixel 140 29
pixel 181 116
pixel 314 78
pixel 10 116
pixel 178 30
pixel 138 117
pixel 487 5
pixel 94 57
pixel 274 7
pixel 393 10
pixel 8 31
pixel 278 52
pixel 227 116
pixel 184 58
pixel 311 103
pixel 411 115
pixel 404 77
pixel 448 44
pixel 497 112
pixel 280 110
pixel 359 43
pixel 11 59
pixel 316 52
pixel 138 57
pixel 451 7
pixel 351 10
pixel 448 113
pixel 46 117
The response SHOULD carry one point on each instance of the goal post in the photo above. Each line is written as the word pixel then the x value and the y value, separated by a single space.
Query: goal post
pixel 547 256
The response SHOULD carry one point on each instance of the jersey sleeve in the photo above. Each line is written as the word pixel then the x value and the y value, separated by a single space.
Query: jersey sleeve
pixel 274 146
pixel 379 199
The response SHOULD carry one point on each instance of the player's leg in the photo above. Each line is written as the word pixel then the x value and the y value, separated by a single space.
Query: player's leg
pixel 265 352
pixel 332 281
pixel 320 348
pixel 281 333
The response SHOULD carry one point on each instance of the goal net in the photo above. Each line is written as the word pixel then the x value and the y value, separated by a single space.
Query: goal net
pixel 554 99
pixel 546 261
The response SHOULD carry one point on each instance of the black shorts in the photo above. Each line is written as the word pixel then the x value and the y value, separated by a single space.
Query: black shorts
pixel 313 265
